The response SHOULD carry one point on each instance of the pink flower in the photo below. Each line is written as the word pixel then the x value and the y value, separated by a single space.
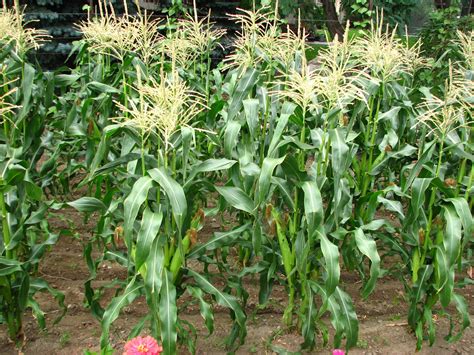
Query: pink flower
pixel 142 346
pixel 338 352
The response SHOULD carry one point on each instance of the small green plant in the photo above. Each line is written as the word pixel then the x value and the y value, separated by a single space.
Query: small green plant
pixel 362 344
pixel 65 339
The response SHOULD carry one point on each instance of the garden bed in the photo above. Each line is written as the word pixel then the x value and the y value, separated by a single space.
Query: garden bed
pixel 383 327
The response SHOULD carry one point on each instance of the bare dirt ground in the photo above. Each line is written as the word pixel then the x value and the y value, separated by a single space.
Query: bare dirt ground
pixel 383 328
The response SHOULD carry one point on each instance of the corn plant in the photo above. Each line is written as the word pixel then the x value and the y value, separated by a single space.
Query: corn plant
pixel 155 123
pixel 441 234
pixel 25 99
pixel 160 224
pixel 342 171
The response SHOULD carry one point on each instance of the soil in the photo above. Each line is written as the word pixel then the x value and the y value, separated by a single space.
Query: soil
pixel 383 327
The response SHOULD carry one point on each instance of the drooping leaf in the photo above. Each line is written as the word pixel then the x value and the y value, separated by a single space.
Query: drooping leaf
pixel 419 187
pixel 348 317
pixel 286 111
pixel 331 259
pixel 392 205
pixel 269 165
pixel 87 204
pixel 418 291
pixel 222 298
pixel 444 280
pixel 251 115
pixel 218 240
pixel 425 157
pixel 111 166
pixel 112 311
pixel 464 213
pixel 237 198
pixel 205 308
pixel 9 266
pixel 452 235
pixel 107 134
pixel 308 328
pixel 209 165
pixel 313 206
pixel 132 205
pixel 245 85
pixel 40 285
pixel 151 222
pixel 368 247
pixel 463 310
pixel 257 237
pixel 343 317
pixel 27 85
pixel 155 265
pixel 230 137
pixel 340 157
pixel 175 194
pixel 285 191
pixel 406 151
pixel 103 88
